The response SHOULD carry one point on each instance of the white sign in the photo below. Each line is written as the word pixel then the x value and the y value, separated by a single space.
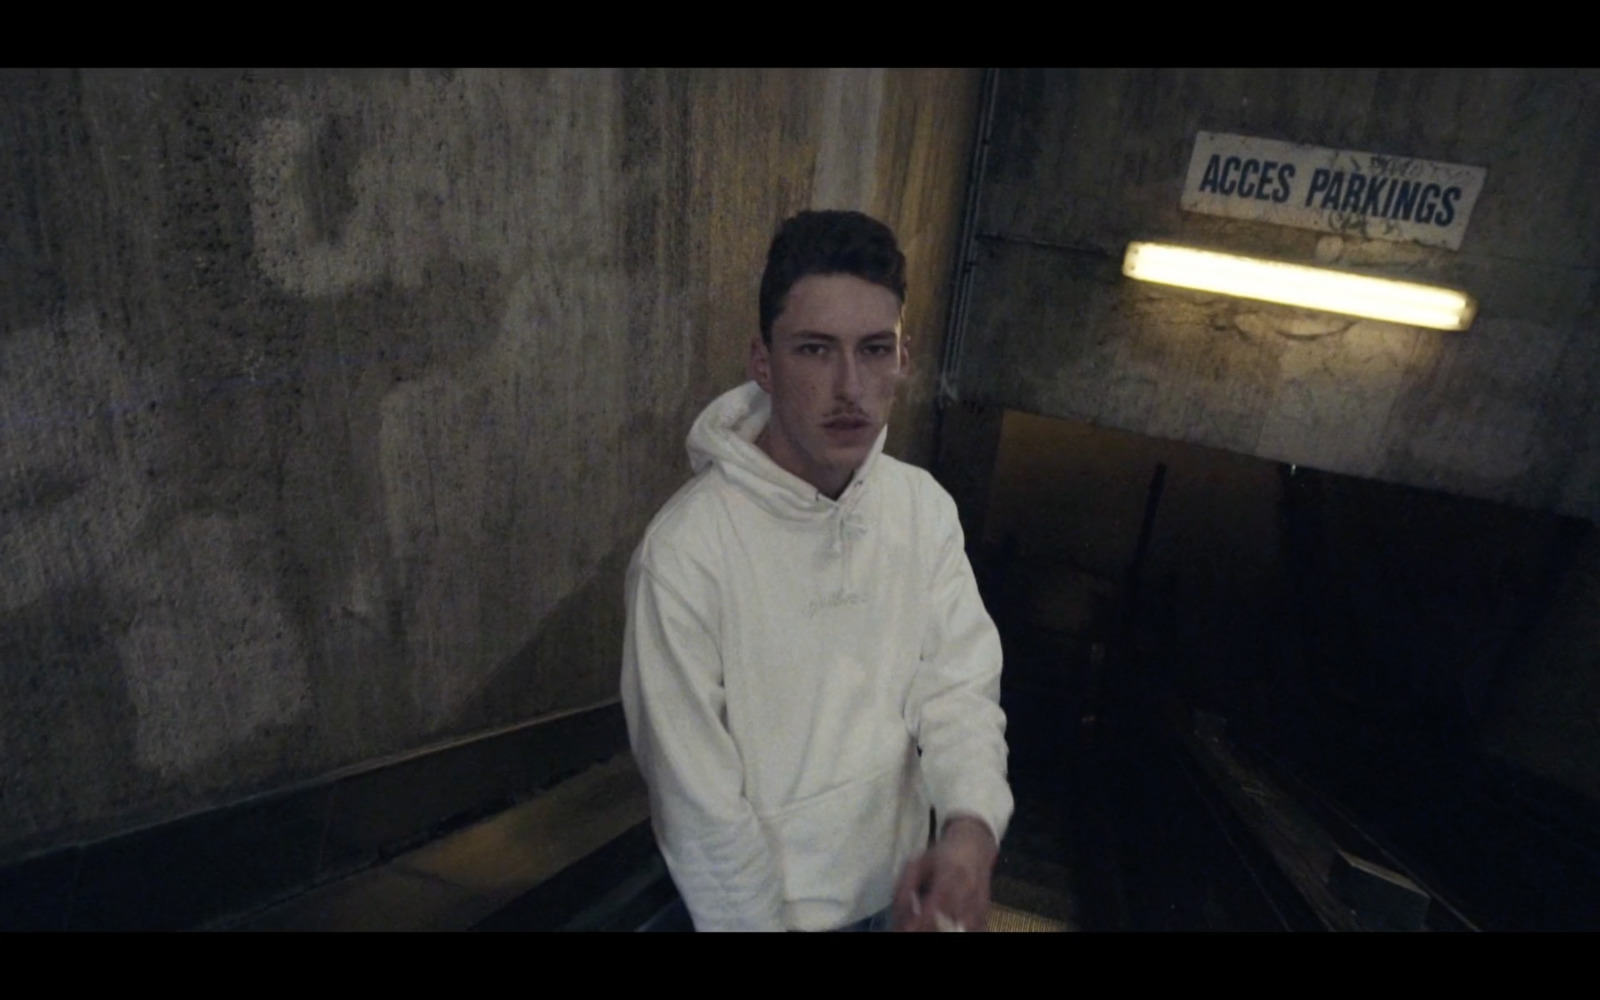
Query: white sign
pixel 1312 187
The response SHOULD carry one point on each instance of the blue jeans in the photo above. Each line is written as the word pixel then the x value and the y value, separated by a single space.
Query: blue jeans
pixel 676 918
pixel 879 921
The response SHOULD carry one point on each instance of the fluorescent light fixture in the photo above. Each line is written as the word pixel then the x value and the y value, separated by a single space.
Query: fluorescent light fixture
pixel 1299 285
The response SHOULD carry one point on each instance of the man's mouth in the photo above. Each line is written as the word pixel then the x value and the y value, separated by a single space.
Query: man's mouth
pixel 847 423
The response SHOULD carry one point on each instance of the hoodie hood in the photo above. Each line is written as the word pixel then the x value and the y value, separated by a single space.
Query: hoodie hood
pixel 724 435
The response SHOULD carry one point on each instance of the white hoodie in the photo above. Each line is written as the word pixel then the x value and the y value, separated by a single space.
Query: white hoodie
pixel 786 655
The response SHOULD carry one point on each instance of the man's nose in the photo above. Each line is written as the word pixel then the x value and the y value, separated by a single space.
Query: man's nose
pixel 847 377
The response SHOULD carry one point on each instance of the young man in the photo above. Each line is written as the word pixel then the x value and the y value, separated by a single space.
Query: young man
pixel 807 666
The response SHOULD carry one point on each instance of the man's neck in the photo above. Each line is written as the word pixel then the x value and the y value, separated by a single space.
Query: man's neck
pixel 829 485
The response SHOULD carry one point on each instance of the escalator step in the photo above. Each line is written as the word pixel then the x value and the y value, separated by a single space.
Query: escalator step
pixel 1003 919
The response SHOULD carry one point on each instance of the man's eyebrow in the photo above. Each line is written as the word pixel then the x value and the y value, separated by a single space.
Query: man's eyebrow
pixel 830 338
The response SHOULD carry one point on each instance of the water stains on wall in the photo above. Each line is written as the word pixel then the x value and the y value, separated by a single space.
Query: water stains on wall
pixel 332 404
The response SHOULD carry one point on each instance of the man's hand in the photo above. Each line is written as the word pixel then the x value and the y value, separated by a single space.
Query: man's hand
pixel 947 887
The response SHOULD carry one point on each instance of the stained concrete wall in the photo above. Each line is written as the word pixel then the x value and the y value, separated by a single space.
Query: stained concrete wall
pixel 1082 162
pixel 332 405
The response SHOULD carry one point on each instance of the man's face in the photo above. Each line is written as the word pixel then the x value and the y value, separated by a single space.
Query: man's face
pixel 837 356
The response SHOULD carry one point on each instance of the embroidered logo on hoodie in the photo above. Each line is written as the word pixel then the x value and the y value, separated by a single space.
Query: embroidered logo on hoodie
pixel 839 599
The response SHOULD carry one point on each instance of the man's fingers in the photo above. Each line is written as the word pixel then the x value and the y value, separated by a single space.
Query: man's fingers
pixel 938 892
pixel 956 900
pixel 909 912
pixel 960 893
pixel 911 880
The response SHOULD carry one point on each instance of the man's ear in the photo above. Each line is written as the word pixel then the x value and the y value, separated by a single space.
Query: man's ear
pixel 759 367
pixel 905 354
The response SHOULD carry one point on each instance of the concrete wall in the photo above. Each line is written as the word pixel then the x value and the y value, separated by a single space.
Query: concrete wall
pixel 1084 161
pixel 332 405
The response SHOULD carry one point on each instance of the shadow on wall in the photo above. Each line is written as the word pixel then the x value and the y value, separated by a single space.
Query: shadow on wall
pixel 143 638
pixel 1285 598
pixel 585 627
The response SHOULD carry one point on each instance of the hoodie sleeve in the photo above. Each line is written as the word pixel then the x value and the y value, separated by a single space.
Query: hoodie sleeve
pixel 673 698
pixel 955 699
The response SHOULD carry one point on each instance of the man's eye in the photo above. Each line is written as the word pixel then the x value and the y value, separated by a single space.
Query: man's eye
pixel 813 349
pixel 879 350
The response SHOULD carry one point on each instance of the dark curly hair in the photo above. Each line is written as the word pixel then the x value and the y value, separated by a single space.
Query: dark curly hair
pixel 829 243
